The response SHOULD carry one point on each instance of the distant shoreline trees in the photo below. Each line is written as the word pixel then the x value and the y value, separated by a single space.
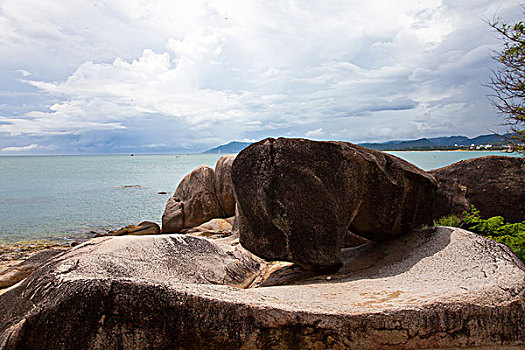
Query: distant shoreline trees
pixel 507 81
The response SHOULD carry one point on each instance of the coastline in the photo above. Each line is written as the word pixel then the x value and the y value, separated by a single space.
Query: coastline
pixel 15 253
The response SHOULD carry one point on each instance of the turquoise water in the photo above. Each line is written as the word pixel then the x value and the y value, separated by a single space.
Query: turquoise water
pixel 64 197
pixel 69 196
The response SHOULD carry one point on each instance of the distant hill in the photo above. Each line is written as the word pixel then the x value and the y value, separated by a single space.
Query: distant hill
pixel 437 143
pixel 232 147
pixel 420 144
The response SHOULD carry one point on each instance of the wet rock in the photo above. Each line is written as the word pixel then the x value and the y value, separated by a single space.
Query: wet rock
pixel 298 198
pixel 437 288
pixel 495 185
pixel 193 203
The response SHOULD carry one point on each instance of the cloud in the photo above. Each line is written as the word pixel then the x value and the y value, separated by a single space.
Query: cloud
pixel 30 147
pixel 315 133
pixel 163 75
pixel 19 149
pixel 24 73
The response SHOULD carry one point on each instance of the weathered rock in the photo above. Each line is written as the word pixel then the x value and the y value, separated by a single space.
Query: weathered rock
pixel 18 272
pixel 215 228
pixel 144 228
pixel 16 253
pixel 298 198
pixel 352 240
pixel 443 288
pixel 193 203
pixel 495 185
pixel 224 185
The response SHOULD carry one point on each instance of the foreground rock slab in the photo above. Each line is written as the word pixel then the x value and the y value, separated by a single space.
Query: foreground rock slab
pixel 438 288
pixel 495 185
pixel 298 198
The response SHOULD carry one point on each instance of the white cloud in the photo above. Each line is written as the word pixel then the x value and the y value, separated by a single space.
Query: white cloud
pixel 24 73
pixel 27 148
pixel 213 71
pixel 315 133
pixel 19 149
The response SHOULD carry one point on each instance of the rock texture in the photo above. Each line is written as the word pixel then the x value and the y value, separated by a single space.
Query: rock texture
pixel 18 272
pixel 298 198
pixel 494 184
pixel 438 288
pixel 224 185
pixel 193 203
pixel 214 228
pixel 144 228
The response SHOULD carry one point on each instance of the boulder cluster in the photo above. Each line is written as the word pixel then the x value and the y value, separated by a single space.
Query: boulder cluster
pixel 315 245
pixel 202 195
pixel 303 201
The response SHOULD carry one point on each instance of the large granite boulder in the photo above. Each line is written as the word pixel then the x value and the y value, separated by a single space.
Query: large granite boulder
pixel 298 198
pixel 494 184
pixel 437 288
pixel 193 203
pixel 224 185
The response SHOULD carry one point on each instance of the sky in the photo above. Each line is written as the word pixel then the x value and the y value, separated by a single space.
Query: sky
pixel 152 76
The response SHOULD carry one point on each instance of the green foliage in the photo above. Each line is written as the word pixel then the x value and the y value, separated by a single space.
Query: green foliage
pixel 508 79
pixel 494 228
pixel 450 220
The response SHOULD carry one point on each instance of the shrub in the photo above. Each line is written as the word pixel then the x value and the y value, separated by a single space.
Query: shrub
pixel 494 228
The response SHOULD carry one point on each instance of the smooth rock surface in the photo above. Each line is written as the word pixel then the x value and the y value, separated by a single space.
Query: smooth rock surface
pixel 193 203
pixel 495 185
pixel 437 288
pixel 298 198
pixel 224 185
pixel 213 228
pixel 144 228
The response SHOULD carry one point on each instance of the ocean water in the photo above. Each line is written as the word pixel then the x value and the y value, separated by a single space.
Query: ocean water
pixel 66 197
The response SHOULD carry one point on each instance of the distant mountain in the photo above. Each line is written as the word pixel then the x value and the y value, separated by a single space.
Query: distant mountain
pixel 420 144
pixel 437 143
pixel 232 147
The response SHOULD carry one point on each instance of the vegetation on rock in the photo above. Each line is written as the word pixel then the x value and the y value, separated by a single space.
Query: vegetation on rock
pixel 494 228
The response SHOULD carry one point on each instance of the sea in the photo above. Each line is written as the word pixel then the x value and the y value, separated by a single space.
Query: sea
pixel 67 198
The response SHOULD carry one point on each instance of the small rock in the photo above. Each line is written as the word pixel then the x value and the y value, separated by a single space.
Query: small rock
pixel 144 228
pixel 215 228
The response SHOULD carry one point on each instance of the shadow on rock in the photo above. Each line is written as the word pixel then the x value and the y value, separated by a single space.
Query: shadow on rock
pixel 368 261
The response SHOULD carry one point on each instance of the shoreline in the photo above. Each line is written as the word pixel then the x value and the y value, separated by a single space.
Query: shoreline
pixel 16 253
